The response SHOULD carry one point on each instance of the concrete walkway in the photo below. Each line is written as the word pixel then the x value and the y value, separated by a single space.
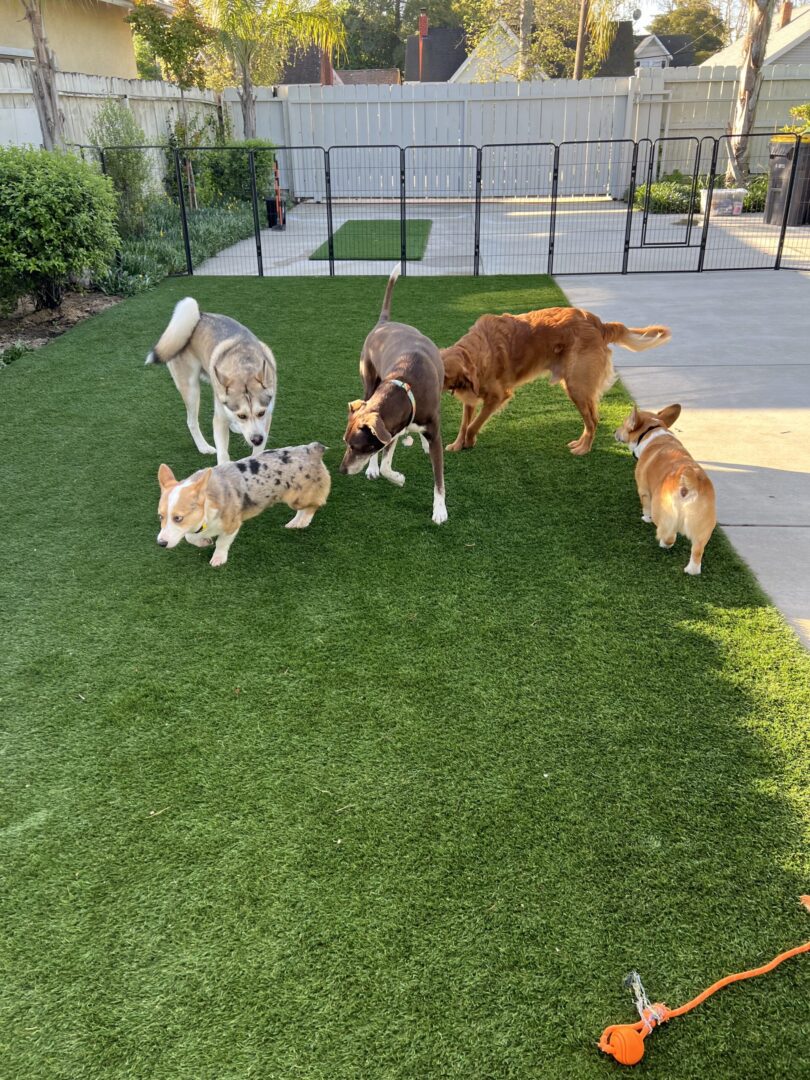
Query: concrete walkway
pixel 739 363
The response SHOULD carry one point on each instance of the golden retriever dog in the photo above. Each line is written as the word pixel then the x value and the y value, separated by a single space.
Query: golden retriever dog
pixel 502 352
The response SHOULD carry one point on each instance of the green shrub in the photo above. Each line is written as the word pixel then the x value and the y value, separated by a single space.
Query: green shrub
pixel 115 126
pixel 57 224
pixel 145 260
pixel 754 201
pixel 224 174
pixel 666 197
pixel 13 352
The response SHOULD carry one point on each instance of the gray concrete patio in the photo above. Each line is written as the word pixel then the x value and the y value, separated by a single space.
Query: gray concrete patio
pixel 514 239
pixel 739 363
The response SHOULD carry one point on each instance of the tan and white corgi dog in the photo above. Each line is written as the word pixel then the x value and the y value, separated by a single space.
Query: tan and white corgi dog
pixel 675 492
pixel 212 504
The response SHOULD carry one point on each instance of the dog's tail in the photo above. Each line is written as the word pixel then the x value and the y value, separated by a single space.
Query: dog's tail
pixel 688 484
pixel 385 313
pixel 635 338
pixel 176 336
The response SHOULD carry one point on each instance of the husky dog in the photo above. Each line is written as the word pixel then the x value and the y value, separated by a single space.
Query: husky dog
pixel 240 368
pixel 213 504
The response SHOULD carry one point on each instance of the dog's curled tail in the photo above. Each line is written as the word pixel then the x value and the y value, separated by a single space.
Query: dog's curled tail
pixel 635 338
pixel 385 313
pixel 688 484
pixel 176 336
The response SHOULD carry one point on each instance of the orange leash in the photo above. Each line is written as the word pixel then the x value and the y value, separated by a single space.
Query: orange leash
pixel 625 1042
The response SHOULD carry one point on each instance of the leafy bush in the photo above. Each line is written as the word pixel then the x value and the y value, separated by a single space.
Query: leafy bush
pixel 13 352
pixel 666 197
pixel 57 223
pixel 754 201
pixel 145 260
pixel 224 173
pixel 115 126
pixel 801 114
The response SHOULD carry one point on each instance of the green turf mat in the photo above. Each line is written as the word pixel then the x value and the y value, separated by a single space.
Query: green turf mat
pixel 376 239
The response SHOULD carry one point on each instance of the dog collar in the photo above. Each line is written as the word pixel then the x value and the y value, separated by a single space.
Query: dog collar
pixel 407 388
pixel 201 528
pixel 653 433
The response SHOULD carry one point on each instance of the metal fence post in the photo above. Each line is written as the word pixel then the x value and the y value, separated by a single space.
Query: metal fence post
pixel 102 158
pixel 705 231
pixel 403 233
pixel 552 219
pixel 330 239
pixel 477 249
pixel 254 195
pixel 631 195
pixel 178 172
pixel 778 263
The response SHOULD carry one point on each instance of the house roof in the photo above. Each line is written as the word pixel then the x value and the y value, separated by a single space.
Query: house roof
pixel 366 76
pixel 779 44
pixel 443 52
pixel 679 47
pixel 488 53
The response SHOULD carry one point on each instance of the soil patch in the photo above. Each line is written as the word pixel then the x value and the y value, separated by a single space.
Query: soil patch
pixel 34 328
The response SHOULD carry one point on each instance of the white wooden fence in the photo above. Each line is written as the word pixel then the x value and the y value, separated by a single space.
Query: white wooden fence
pixel 654 104
pixel 154 104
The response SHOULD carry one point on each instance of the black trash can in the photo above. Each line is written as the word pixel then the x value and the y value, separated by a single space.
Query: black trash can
pixel 782 152
pixel 272 213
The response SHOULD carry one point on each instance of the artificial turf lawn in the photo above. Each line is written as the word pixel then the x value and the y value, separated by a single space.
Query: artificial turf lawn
pixel 378 799
pixel 377 239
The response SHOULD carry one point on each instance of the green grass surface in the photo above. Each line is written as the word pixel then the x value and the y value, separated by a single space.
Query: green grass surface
pixel 377 239
pixel 378 799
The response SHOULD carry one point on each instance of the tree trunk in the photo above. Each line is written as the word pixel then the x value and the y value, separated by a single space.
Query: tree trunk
pixel 760 14
pixel 247 99
pixel 582 39
pixel 526 25
pixel 43 81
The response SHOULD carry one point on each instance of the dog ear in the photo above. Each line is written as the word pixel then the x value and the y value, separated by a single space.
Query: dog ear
pixel 669 415
pixel 166 477
pixel 378 429
pixel 267 379
pixel 200 485
pixel 355 405
pixel 633 420
pixel 216 377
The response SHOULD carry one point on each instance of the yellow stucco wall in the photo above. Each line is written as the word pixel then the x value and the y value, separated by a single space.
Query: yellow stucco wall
pixel 85 35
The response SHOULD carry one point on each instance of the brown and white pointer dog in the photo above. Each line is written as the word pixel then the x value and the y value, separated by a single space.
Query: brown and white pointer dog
pixel 402 376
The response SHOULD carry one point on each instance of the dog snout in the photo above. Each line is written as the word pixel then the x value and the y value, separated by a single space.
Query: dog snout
pixel 343 468
pixel 257 440
pixel 163 543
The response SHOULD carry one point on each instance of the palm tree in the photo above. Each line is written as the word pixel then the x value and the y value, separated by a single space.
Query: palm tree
pixel 597 27
pixel 248 27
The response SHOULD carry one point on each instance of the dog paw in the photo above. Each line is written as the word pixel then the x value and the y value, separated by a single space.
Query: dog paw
pixel 206 448
pixel 407 441
pixel 373 473
pixel 440 516
pixel 579 447
pixel 395 477
pixel 692 568
pixel 454 446
pixel 219 558
pixel 666 546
